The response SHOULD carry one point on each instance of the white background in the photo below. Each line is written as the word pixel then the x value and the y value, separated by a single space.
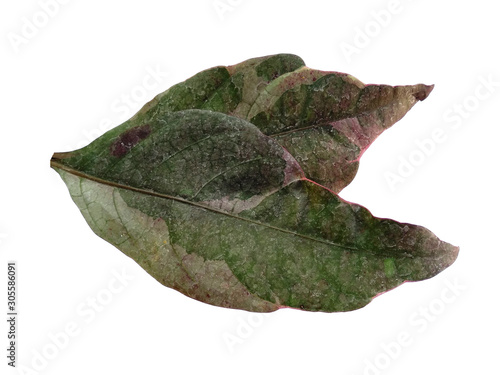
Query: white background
pixel 64 80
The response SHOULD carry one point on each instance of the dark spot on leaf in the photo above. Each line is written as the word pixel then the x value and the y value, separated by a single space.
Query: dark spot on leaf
pixel 424 92
pixel 124 143
pixel 254 251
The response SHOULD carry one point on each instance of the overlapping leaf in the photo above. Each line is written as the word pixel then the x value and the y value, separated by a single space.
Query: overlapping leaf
pixel 326 120
pixel 212 207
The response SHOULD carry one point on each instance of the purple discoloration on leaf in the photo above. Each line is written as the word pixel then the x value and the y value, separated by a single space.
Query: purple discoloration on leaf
pixel 232 199
pixel 424 92
pixel 124 143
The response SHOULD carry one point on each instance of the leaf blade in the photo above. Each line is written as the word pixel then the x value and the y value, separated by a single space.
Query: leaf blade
pixel 283 240
pixel 288 101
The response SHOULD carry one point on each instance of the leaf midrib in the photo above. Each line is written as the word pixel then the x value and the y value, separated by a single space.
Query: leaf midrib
pixel 344 116
pixel 54 163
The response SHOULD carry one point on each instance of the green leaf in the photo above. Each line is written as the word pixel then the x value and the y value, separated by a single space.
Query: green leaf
pixel 210 206
pixel 326 120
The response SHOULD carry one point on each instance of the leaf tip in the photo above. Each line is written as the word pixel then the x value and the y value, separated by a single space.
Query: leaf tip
pixel 454 253
pixel 423 92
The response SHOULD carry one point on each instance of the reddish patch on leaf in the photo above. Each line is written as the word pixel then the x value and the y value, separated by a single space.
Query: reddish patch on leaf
pixel 124 143
pixel 424 92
